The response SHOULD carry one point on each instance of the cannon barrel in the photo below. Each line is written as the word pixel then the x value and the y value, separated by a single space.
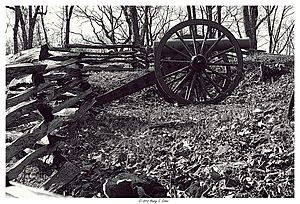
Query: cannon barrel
pixel 224 44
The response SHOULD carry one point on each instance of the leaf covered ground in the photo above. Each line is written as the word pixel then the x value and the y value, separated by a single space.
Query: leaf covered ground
pixel 242 147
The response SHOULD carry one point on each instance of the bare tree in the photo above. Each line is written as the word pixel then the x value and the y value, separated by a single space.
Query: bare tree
pixel 145 35
pixel 135 25
pixel 234 13
pixel 105 21
pixel 212 13
pixel 209 12
pixel 250 14
pixel 161 18
pixel 68 13
pixel 27 36
pixel 19 15
pixel 288 42
pixel 219 17
pixel 15 30
pixel 251 23
pixel 43 13
pixel 189 12
pixel 279 31
pixel 128 20
pixel 32 18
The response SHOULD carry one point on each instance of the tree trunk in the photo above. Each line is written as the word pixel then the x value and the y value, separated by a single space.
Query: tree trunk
pixel 145 31
pixel 43 25
pixel 254 15
pixel 39 35
pixel 270 30
pixel 23 27
pixel 32 21
pixel 189 13
pixel 194 16
pixel 112 28
pixel 67 34
pixel 69 13
pixel 202 12
pixel 150 27
pixel 188 8
pixel 15 30
pixel 62 26
pixel 147 26
pixel 250 14
pixel 30 27
pixel 135 25
pixel 127 18
pixel 209 16
pixel 219 13
pixel 135 33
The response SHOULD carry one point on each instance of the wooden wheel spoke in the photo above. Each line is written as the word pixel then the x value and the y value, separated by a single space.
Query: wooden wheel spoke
pixel 222 64
pixel 191 87
pixel 210 80
pixel 174 80
pixel 209 72
pixel 174 61
pixel 204 40
pixel 187 91
pixel 213 45
pixel 184 44
pixel 222 53
pixel 177 51
pixel 199 87
pixel 219 74
pixel 216 61
pixel 182 82
pixel 204 91
pixel 176 72
pixel 230 55
pixel 193 30
pixel 197 94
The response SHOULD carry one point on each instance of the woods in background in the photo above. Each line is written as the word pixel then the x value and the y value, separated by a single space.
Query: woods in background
pixel 270 28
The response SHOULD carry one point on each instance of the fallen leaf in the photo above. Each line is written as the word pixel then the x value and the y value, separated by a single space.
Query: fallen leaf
pixel 257 110
pixel 222 149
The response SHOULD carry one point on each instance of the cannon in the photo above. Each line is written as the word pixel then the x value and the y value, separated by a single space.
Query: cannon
pixel 204 67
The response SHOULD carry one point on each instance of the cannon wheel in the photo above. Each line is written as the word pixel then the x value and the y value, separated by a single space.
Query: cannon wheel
pixel 198 71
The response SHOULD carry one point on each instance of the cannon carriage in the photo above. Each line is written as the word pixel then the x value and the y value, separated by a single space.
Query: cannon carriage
pixel 196 61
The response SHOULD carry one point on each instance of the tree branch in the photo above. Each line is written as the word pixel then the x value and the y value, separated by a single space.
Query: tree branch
pixel 287 40
pixel 265 17
pixel 10 7
pixel 83 38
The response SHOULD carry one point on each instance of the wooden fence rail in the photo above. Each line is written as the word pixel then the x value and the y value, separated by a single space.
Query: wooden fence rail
pixel 37 93
pixel 136 56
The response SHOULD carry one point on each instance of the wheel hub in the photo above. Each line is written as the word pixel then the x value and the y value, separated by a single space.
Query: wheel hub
pixel 198 63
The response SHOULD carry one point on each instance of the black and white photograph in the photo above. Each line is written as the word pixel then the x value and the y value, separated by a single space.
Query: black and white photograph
pixel 158 103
